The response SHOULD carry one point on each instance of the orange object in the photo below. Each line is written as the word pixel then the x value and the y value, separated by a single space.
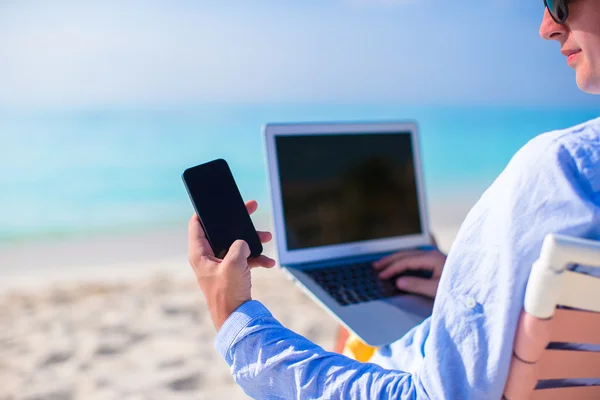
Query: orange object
pixel 340 342
pixel 351 346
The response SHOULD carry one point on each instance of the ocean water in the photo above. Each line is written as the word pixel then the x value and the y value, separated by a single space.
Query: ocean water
pixel 77 171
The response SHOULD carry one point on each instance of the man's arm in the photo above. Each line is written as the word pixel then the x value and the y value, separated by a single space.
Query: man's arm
pixel 267 360
pixel 271 362
pixel 463 352
pixel 550 186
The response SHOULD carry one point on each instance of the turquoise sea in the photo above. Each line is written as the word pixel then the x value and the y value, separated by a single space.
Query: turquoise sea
pixel 77 171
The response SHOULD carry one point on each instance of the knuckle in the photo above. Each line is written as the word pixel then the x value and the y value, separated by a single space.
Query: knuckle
pixel 398 266
pixel 415 283
pixel 388 268
pixel 196 259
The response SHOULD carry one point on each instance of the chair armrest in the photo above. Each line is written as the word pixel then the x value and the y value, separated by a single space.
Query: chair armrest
pixel 547 285
pixel 559 251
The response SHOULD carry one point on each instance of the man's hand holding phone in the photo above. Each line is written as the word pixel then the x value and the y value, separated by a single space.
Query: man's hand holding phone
pixel 226 283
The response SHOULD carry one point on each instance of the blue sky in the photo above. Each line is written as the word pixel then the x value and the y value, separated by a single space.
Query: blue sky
pixel 151 53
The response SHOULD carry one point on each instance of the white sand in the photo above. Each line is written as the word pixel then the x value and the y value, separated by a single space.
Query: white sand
pixel 121 317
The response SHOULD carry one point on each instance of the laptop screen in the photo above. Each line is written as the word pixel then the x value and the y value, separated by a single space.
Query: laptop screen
pixel 346 188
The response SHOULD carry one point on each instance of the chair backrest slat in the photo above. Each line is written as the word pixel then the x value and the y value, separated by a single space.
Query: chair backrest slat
pixel 575 393
pixel 587 326
pixel 569 364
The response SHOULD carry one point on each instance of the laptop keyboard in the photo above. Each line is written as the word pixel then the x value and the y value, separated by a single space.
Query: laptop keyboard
pixel 358 283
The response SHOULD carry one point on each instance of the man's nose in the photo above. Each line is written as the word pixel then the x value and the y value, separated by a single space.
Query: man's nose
pixel 550 29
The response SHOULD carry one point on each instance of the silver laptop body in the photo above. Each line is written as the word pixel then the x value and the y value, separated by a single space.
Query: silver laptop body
pixel 344 195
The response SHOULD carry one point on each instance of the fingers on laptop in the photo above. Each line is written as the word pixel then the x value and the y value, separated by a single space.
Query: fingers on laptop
pixel 427 287
pixel 392 258
pixel 425 261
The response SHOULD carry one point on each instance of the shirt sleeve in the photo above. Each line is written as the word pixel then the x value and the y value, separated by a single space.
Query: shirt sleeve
pixel 269 361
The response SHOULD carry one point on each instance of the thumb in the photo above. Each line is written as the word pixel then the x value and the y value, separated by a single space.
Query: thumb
pixel 238 253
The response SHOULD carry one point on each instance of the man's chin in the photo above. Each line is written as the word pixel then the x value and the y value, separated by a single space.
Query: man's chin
pixel 588 83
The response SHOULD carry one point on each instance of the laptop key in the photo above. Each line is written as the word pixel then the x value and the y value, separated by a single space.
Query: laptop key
pixel 353 283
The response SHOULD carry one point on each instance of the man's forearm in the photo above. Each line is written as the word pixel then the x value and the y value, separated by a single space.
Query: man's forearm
pixel 270 361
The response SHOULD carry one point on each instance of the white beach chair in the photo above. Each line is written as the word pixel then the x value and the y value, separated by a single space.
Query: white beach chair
pixel 537 359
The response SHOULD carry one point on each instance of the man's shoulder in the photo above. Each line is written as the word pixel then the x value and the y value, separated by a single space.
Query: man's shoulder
pixel 573 152
pixel 581 141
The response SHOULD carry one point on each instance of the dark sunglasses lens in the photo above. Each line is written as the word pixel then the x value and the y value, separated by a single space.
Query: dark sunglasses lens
pixel 558 9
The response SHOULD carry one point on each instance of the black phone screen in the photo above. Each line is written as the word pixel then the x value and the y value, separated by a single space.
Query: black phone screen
pixel 220 207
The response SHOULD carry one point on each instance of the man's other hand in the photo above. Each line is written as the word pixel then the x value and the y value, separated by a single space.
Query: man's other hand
pixel 402 261
pixel 225 283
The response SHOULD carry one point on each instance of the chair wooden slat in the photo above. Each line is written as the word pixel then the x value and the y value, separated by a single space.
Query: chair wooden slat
pixel 574 326
pixel 568 364
pixel 575 393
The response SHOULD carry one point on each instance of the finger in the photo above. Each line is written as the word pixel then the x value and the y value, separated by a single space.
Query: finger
pixel 265 237
pixel 251 206
pixel 427 287
pixel 421 262
pixel 401 255
pixel 395 257
pixel 261 261
pixel 392 270
pixel 197 241
pixel 238 254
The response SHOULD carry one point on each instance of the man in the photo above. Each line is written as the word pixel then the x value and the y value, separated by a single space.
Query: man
pixel 463 351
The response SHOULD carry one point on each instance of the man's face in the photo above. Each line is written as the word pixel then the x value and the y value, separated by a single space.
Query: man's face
pixel 579 39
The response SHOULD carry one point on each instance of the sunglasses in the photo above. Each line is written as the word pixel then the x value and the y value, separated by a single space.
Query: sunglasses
pixel 559 10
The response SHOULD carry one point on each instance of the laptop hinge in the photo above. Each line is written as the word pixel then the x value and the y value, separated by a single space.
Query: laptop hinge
pixel 346 260
pixel 338 261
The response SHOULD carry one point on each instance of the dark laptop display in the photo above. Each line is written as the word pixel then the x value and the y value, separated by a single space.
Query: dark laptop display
pixel 346 188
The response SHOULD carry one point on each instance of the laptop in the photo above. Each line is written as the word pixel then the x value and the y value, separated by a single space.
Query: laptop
pixel 344 195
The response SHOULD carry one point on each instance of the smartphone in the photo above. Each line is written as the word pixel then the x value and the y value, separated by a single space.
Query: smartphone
pixel 220 207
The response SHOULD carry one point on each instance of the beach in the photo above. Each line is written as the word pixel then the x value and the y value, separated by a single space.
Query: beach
pixel 119 316
pixel 103 106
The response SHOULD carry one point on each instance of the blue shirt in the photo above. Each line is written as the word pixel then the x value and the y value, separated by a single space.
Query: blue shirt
pixel 463 351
